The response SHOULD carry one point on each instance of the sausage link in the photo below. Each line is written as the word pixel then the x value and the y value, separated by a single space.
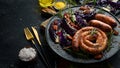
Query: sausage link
pixel 103 26
pixel 106 19
pixel 75 41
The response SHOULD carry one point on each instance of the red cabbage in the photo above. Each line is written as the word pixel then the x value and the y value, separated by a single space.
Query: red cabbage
pixel 63 39
pixel 70 30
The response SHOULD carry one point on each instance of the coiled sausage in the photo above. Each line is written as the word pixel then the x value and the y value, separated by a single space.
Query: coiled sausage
pixel 84 40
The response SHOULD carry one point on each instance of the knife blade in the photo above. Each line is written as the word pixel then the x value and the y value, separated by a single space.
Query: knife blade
pixel 36 35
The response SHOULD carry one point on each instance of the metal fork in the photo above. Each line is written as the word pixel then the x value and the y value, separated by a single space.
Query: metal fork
pixel 30 37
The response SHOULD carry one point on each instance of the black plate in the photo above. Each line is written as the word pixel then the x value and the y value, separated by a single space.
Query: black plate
pixel 62 53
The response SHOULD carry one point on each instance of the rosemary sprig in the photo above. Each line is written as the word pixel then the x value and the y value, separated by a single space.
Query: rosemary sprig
pixel 110 34
pixel 94 2
pixel 93 31
pixel 88 1
pixel 78 54
pixel 85 2
pixel 71 12
pixel 59 14
pixel 71 2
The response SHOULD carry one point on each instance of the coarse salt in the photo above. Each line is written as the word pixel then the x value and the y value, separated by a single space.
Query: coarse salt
pixel 27 54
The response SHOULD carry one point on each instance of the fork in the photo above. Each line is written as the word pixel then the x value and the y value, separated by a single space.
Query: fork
pixel 30 37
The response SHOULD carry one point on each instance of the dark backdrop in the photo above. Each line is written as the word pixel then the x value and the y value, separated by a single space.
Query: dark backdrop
pixel 14 16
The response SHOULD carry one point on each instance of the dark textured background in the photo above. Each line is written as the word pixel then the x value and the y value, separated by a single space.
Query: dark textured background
pixel 14 16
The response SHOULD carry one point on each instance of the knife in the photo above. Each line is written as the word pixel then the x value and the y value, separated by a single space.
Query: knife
pixel 41 47
pixel 36 35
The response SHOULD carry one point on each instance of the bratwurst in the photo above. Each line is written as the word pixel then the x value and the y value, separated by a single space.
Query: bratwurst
pixel 99 24
pixel 106 19
pixel 88 42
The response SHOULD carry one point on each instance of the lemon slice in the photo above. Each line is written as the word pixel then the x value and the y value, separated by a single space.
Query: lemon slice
pixel 59 5
pixel 46 3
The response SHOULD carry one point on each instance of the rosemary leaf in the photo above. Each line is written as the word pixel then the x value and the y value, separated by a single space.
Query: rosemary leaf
pixel 94 2
pixel 110 34
pixel 71 2
pixel 88 1
pixel 93 31
pixel 78 54
pixel 60 14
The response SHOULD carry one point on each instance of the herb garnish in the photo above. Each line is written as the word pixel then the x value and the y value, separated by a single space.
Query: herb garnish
pixel 109 34
pixel 80 54
pixel 59 14
pixel 93 31
pixel 72 2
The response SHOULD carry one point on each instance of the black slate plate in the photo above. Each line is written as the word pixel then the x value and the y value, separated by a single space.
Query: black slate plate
pixel 62 53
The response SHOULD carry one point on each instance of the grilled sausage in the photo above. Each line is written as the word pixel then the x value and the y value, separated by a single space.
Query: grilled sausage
pixel 106 19
pixel 75 41
pixel 103 26
pixel 83 40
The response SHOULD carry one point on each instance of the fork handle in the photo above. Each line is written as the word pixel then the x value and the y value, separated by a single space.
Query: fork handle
pixel 42 56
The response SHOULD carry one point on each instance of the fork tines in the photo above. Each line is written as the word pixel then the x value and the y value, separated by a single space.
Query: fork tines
pixel 28 34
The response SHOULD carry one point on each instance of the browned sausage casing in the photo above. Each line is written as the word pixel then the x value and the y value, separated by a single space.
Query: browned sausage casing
pixel 103 26
pixel 107 19
pixel 83 40
pixel 75 41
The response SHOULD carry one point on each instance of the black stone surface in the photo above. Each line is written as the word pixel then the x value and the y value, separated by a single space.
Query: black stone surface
pixel 14 16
